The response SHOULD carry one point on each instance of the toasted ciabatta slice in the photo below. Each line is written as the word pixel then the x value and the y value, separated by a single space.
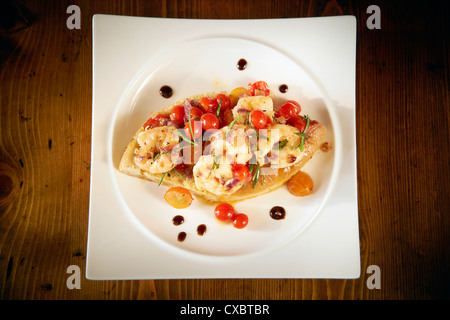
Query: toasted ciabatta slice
pixel 150 156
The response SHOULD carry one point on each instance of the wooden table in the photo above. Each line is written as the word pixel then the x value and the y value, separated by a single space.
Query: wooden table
pixel 403 115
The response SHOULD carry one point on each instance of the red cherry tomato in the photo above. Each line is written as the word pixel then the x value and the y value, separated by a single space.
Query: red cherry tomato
pixel 240 221
pixel 195 112
pixel 225 212
pixel 177 114
pixel 209 121
pixel 196 129
pixel 298 122
pixel 290 109
pixel 209 104
pixel 258 85
pixel 226 117
pixel 224 101
pixel 157 121
pixel 258 119
pixel 241 172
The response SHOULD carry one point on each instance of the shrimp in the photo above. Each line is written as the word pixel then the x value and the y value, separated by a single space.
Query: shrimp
pixel 153 153
pixel 213 175
pixel 280 147
pixel 232 144
pixel 250 103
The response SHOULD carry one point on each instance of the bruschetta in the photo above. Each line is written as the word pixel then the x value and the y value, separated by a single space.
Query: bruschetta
pixel 224 146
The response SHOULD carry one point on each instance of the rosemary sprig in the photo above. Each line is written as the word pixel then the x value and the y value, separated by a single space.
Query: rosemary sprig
pixel 215 165
pixel 231 125
pixel 164 174
pixel 256 175
pixel 185 138
pixel 218 108
pixel 179 173
pixel 190 126
pixel 166 152
pixel 162 178
pixel 303 135
pixel 282 144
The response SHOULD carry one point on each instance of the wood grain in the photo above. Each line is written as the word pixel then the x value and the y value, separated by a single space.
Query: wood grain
pixel 403 136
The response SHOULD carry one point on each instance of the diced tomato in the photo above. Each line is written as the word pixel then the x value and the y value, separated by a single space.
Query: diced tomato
pixel 157 121
pixel 298 122
pixel 258 85
pixel 226 117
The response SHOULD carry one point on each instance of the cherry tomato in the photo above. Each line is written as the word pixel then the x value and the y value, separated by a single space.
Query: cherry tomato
pixel 290 109
pixel 226 117
pixel 240 221
pixel 258 85
pixel 178 197
pixel 209 121
pixel 177 114
pixel 300 184
pixel 157 121
pixel 241 172
pixel 195 112
pixel 196 129
pixel 225 212
pixel 236 94
pixel 298 122
pixel 258 119
pixel 223 101
pixel 209 104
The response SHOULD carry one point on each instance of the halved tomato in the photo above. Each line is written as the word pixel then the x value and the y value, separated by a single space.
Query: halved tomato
pixel 178 197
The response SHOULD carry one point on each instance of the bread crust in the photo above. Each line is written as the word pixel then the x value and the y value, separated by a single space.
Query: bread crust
pixel 269 182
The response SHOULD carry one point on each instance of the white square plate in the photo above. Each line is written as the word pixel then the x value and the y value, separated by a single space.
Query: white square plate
pixel 131 234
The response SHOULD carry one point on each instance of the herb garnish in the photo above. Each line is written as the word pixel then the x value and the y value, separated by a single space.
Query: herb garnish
pixel 231 125
pixel 282 144
pixel 215 165
pixel 256 175
pixel 164 174
pixel 218 108
pixel 303 135
pixel 162 178
pixel 190 126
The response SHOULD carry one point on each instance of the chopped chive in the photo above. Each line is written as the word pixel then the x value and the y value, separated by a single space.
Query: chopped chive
pixel 218 109
pixel 231 125
pixel 162 178
pixel 256 176
pixel 185 138
pixel 179 173
pixel 303 135
pixel 190 126
pixel 282 144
